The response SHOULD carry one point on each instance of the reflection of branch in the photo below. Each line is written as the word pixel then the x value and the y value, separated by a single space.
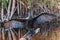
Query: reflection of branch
pixel 13 35
pixel 9 35
pixel 3 34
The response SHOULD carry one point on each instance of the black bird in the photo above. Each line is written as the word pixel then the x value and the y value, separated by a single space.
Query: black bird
pixel 41 18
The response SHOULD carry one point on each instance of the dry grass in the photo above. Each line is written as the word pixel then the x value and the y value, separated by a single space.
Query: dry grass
pixel 54 35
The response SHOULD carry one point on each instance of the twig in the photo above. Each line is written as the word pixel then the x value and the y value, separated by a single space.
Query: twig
pixel 18 8
pixel 8 10
pixel 2 13
pixel 12 10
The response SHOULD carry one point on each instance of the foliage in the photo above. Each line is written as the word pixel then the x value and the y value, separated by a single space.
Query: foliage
pixel 4 3
pixel 52 2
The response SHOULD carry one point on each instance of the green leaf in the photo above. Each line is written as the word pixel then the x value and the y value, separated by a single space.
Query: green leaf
pixel 45 1
pixel 4 3
pixel 37 1
pixel 29 2
pixel 52 2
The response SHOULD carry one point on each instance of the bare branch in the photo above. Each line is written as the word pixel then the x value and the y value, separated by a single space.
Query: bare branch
pixel 2 13
pixel 8 10
pixel 12 10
